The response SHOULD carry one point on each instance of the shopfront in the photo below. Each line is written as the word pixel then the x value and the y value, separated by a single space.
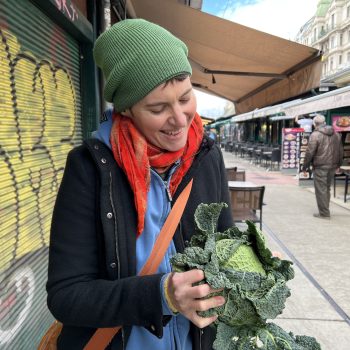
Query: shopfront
pixel 47 84
pixel 340 120
pixel 334 105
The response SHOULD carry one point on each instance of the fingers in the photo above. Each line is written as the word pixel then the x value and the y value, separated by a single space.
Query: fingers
pixel 202 322
pixel 204 305
pixel 189 277
pixel 185 285
pixel 188 297
pixel 202 291
pixel 210 303
pixel 277 254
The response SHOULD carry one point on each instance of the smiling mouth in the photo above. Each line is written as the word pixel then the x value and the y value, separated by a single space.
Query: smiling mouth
pixel 172 133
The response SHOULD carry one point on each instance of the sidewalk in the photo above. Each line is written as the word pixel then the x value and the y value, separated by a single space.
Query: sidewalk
pixel 320 249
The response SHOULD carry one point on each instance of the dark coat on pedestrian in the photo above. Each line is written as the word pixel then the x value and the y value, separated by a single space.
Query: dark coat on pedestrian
pixel 92 265
pixel 325 149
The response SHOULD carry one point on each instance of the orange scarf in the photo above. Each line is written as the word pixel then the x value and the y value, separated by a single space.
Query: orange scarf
pixel 135 156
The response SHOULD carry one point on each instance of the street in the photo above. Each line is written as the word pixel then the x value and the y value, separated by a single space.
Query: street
pixel 320 250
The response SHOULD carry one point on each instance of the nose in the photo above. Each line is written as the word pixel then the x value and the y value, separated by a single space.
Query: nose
pixel 178 116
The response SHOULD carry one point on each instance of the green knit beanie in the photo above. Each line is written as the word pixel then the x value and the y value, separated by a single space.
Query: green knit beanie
pixel 136 56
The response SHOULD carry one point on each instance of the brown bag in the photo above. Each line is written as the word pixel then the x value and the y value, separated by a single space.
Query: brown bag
pixel 103 336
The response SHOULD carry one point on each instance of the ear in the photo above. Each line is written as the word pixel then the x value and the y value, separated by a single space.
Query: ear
pixel 127 113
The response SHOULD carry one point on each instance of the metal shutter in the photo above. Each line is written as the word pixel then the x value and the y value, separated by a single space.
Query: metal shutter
pixel 40 121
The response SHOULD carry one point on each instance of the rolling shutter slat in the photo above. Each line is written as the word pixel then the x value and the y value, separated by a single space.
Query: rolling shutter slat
pixel 40 123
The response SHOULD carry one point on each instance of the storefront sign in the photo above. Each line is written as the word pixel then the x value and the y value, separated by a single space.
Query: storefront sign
pixel 341 123
pixel 304 142
pixel 290 149
pixel 67 8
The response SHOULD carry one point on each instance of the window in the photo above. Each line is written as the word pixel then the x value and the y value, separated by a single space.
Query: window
pixel 340 59
pixel 331 64
pixel 340 39
pixel 315 34
pixel 332 21
pixel 331 42
pixel 348 12
pixel 348 56
pixel 322 32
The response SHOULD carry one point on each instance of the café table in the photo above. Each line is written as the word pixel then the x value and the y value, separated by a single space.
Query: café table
pixel 346 171
pixel 345 168
pixel 241 184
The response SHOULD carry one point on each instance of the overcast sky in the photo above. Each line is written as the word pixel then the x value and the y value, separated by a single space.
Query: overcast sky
pixel 282 18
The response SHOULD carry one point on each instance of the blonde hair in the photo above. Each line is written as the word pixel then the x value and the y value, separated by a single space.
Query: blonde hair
pixel 318 120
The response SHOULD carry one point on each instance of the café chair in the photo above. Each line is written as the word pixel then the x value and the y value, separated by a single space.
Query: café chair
pixel 341 177
pixel 233 174
pixel 247 204
pixel 275 158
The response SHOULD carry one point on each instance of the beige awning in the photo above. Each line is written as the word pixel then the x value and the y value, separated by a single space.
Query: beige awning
pixel 329 100
pixel 248 67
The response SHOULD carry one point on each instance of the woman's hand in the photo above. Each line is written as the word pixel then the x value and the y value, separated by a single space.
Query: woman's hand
pixel 187 298
pixel 277 254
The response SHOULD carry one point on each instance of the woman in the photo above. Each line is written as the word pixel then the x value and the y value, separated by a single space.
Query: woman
pixel 116 193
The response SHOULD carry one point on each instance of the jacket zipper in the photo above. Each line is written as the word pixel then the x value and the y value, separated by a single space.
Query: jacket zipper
pixel 115 224
pixel 116 240
pixel 167 191
pixel 170 199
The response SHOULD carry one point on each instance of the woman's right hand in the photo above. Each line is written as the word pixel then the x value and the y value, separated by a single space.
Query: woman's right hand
pixel 188 297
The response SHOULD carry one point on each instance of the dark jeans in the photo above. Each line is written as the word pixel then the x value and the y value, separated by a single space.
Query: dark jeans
pixel 322 182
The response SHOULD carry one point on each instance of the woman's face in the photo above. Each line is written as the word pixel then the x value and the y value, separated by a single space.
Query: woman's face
pixel 165 114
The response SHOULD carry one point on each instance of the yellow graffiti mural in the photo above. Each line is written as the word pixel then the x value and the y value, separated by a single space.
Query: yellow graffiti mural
pixel 39 124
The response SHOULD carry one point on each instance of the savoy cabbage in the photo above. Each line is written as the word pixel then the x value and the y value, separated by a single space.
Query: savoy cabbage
pixel 253 282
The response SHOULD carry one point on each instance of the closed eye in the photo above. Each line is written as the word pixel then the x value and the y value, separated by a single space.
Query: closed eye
pixel 157 111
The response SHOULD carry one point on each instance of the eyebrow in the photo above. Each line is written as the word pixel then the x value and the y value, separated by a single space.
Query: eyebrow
pixel 160 103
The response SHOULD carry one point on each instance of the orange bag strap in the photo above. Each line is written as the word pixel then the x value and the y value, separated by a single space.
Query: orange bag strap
pixel 103 336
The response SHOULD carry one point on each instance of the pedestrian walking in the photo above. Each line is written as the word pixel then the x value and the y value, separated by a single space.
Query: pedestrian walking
pixel 116 193
pixel 325 153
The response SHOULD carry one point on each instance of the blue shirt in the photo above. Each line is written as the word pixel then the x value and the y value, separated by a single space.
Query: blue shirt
pixel 176 332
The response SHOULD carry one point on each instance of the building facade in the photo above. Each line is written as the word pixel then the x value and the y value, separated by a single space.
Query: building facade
pixel 329 31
